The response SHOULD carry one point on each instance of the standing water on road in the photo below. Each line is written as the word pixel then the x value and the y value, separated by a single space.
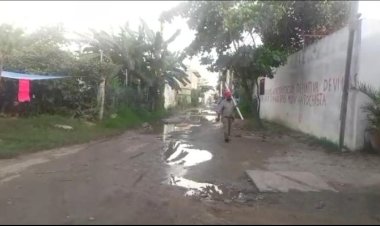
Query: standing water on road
pixel 180 154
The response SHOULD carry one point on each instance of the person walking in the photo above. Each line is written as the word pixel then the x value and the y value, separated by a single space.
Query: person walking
pixel 227 108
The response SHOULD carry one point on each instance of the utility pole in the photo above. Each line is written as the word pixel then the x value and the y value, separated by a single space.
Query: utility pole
pixel 126 77
pixel 352 25
pixel 101 91
pixel 1 65
pixel 221 84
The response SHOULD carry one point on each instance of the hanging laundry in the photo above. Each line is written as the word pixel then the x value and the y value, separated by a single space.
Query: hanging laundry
pixel 24 90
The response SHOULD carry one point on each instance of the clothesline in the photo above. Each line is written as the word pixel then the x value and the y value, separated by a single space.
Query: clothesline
pixel 14 75
pixel 24 82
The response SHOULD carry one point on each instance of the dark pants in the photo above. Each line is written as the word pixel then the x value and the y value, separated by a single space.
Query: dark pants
pixel 227 122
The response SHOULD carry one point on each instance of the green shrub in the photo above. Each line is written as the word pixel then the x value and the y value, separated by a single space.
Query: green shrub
pixel 373 108
pixel 127 117
pixel 245 108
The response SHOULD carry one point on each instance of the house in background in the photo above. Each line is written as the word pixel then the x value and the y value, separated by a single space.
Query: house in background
pixel 183 96
pixel 207 91
pixel 170 97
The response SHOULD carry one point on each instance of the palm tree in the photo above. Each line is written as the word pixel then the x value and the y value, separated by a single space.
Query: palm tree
pixel 100 46
pixel 143 56
pixel 165 67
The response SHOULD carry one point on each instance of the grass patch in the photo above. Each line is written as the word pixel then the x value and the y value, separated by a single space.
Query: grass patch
pixel 276 128
pixel 252 124
pixel 306 138
pixel 23 135
pixel 272 128
pixel 130 118
pixel 323 142
pixel 26 135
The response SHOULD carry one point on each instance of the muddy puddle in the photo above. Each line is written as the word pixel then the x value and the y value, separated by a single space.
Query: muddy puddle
pixel 195 188
pixel 181 155
pixel 204 115
pixel 213 192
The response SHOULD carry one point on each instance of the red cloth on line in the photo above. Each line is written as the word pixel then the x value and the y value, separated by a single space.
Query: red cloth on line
pixel 23 90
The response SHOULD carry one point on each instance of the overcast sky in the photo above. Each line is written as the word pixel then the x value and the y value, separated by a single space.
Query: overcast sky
pixel 79 16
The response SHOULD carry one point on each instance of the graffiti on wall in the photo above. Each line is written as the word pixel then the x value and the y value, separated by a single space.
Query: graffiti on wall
pixel 308 93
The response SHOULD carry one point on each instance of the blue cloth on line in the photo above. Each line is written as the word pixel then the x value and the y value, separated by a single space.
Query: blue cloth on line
pixel 14 75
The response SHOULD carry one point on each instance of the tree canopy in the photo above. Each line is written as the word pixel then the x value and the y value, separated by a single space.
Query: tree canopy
pixel 228 28
pixel 135 64
pixel 279 24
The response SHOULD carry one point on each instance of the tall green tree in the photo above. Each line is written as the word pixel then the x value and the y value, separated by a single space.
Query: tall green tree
pixel 288 24
pixel 144 55
pixel 280 24
pixel 10 39
pixel 164 66
pixel 41 52
pixel 229 29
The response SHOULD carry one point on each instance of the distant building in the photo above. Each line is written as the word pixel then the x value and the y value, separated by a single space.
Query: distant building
pixel 184 95
pixel 173 97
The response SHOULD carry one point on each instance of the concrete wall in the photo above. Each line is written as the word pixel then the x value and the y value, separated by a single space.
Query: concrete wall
pixel 368 72
pixel 170 97
pixel 306 93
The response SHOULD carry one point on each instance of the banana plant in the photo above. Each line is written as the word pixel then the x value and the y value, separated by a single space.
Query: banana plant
pixel 143 57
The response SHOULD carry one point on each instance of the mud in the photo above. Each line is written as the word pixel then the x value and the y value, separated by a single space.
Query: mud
pixel 183 173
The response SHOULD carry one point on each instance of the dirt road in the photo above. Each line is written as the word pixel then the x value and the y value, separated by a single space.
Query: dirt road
pixel 186 174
